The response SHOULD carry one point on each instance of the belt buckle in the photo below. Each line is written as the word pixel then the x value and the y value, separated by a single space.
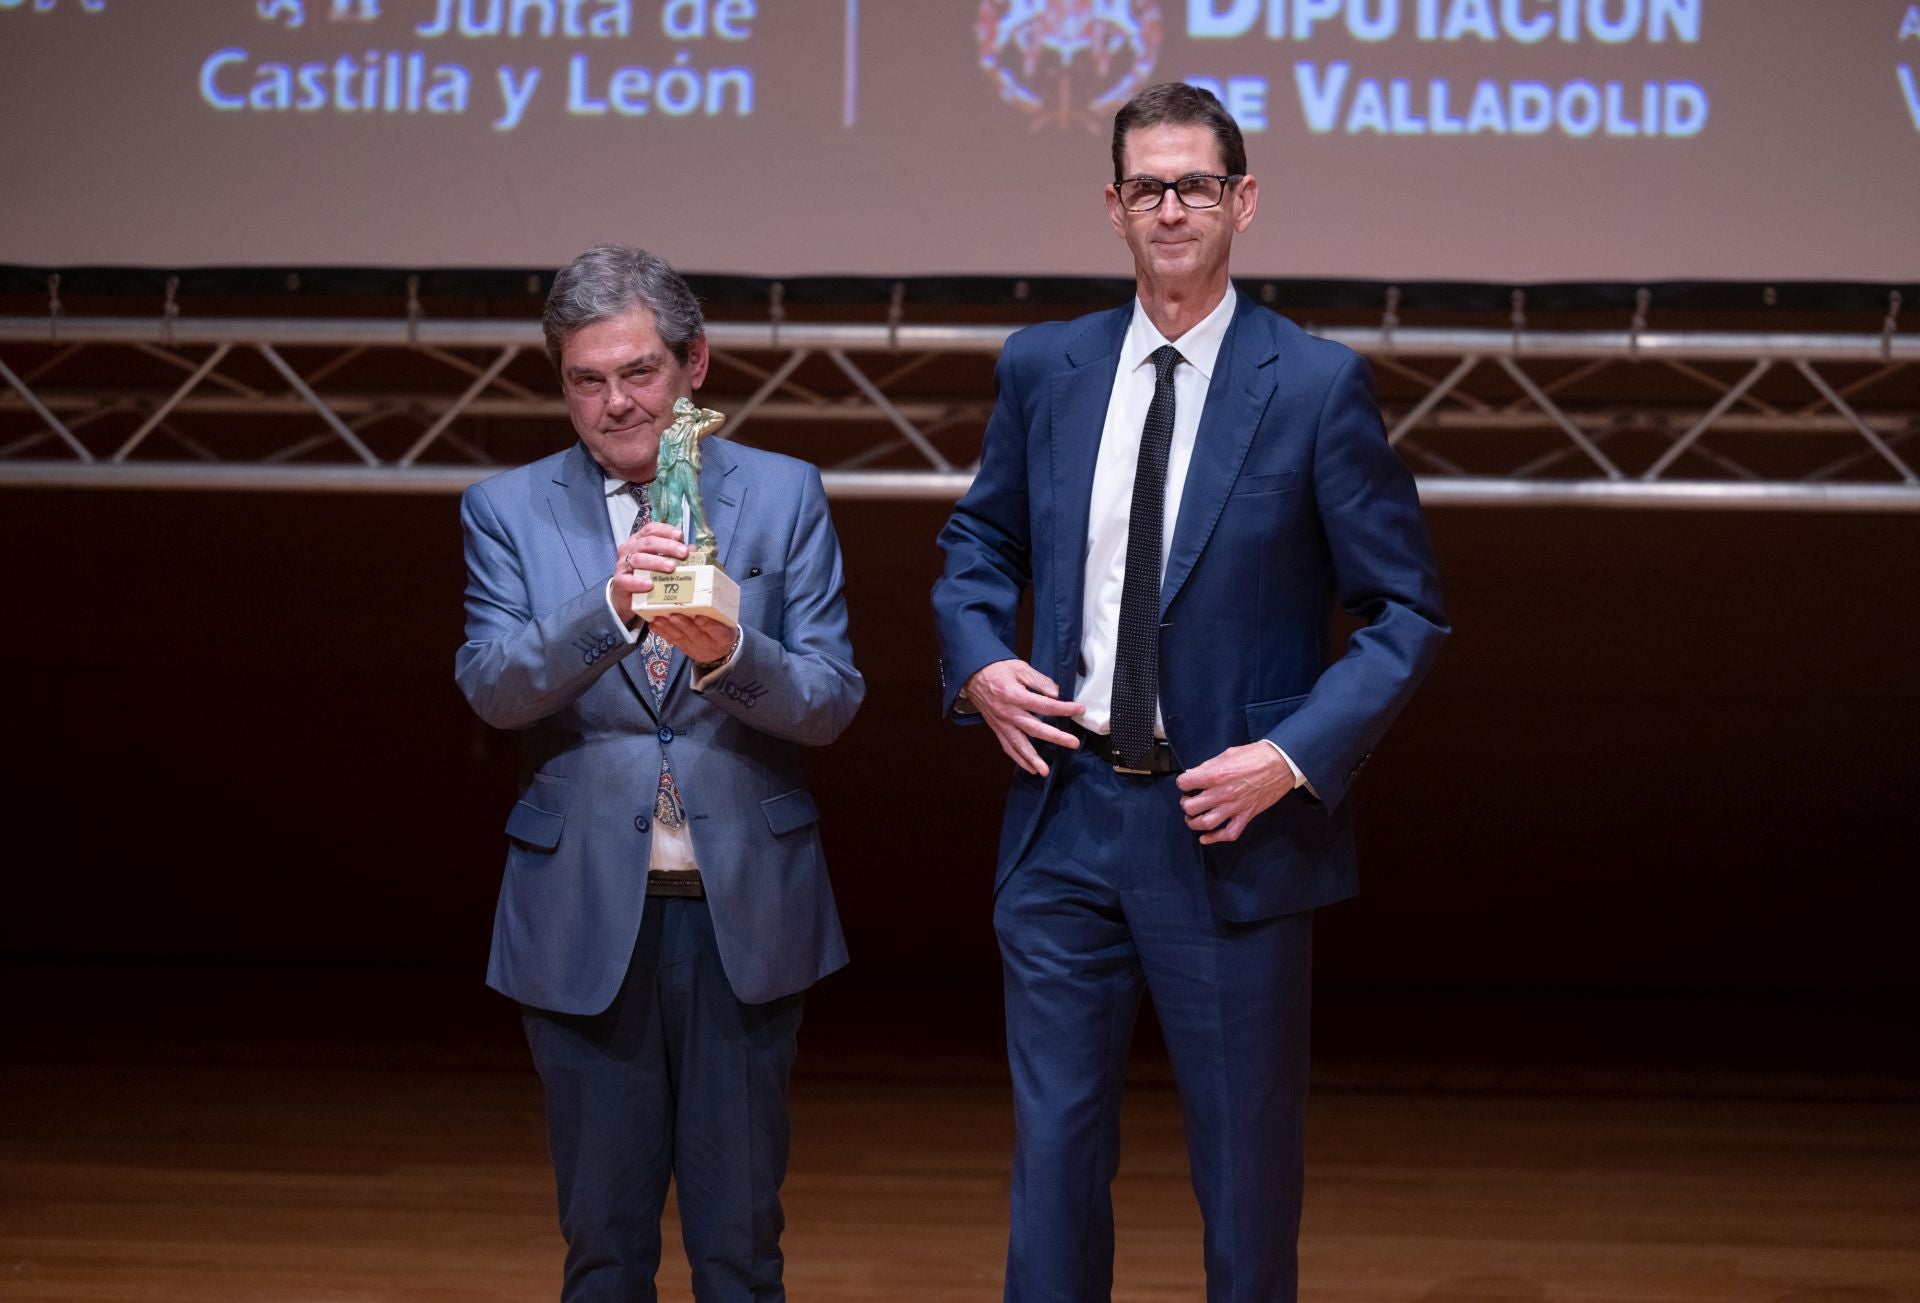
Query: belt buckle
pixel 1145 770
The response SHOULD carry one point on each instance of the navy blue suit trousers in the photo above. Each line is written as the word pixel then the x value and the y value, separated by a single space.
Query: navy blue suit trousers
pixel 1109 902
pixel 679 1080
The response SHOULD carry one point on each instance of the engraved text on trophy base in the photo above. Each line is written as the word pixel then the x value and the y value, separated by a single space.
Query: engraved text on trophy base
pixel 692 589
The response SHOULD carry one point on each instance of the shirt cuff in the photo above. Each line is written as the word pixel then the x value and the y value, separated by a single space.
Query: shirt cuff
pixel 1299 779
pixel 631 631
pixel 706 673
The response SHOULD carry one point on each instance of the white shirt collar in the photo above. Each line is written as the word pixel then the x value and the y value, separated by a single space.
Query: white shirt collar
pixel 1199 347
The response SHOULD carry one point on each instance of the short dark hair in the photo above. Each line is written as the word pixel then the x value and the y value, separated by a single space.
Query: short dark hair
pixel 610 280
pixel 1176 104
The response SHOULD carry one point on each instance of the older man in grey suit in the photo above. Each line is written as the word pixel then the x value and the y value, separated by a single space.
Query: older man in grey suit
pixel 665 900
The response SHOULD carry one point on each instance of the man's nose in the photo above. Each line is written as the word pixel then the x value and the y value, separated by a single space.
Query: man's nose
pixel 618 399
pixel 1171 211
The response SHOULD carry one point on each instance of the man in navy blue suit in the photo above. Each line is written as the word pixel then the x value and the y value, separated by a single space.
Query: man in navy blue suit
pixel 665 901
pixel 1188 485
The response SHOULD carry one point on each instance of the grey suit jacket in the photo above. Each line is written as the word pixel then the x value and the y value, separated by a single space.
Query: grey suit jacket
pixel 544 656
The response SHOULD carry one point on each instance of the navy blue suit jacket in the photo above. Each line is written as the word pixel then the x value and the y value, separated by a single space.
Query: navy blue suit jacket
pixel 544 655
pixel 1293 502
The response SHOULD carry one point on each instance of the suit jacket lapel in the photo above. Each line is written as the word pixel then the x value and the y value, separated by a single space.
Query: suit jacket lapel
pixel 578 499
pixel 722 493
pixel 1078 414
pixel 1243 384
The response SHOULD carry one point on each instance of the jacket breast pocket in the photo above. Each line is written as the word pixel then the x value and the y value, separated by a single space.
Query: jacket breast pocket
pixel 763 601
pixel 1247 486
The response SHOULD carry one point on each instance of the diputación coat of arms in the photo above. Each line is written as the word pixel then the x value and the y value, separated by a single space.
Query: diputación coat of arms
pixel 1069 61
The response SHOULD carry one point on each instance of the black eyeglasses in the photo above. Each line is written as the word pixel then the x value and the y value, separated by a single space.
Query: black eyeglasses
pixel 1143 194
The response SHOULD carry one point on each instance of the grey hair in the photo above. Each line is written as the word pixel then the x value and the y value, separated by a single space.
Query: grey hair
pixel 610 280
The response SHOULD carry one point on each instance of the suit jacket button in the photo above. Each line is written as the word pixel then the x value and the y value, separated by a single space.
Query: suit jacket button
pixel 640 823
pixel 665 734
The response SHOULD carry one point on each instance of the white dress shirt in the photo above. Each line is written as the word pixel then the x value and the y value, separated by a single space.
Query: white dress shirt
pixel 1112 504
pixel 672 848
pixel 1107 520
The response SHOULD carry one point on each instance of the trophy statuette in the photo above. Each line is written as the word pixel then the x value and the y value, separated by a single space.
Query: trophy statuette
pixel 697 586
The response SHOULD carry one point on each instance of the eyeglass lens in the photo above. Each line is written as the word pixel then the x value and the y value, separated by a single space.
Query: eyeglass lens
pixel 1143 194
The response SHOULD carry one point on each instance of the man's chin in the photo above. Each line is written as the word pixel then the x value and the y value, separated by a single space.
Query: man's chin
pixel 625 454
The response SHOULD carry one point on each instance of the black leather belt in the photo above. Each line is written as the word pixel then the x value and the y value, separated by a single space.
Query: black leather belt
pixel 684 883
pixel 1158 760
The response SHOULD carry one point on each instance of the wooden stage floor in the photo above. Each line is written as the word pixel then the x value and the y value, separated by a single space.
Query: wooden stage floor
pixel 243 1182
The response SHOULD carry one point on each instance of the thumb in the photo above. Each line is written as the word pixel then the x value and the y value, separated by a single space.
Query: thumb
pixel 1192 780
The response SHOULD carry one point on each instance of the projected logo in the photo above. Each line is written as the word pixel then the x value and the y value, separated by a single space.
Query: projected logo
pixel 1068 61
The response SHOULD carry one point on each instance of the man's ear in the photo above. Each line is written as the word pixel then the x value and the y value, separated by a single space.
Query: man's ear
pixel 1246 198
pixel 1115 213
pixel 697 360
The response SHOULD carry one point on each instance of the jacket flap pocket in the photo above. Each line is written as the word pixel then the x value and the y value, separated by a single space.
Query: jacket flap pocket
pixel 1277 482
pixel 535 827
pixel 790 810
pixel 1264 716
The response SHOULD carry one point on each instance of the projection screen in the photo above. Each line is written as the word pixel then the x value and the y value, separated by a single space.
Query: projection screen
pixel 1483 140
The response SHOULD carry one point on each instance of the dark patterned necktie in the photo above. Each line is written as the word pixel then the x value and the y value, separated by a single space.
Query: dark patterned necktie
pixel 1136 653
pixel 659 657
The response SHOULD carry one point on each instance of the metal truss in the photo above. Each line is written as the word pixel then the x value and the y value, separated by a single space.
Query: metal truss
pixel 1633 418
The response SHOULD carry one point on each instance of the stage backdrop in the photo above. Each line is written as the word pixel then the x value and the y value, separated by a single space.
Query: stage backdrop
pixel 1502 140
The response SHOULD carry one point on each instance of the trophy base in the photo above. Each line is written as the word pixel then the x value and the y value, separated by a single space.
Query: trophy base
pixel 692 590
